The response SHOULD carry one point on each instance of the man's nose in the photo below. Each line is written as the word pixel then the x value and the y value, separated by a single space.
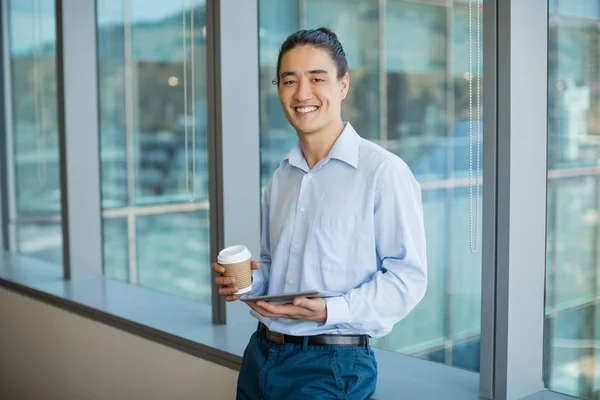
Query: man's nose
pixel 303 91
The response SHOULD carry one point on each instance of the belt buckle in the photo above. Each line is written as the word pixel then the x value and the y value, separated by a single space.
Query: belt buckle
pixel 275 337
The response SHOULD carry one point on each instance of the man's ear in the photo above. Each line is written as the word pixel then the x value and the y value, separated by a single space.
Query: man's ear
pixel 345 85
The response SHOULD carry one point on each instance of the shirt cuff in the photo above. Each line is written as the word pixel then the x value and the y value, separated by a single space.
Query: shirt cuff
pixel 338 310
pixel 258 284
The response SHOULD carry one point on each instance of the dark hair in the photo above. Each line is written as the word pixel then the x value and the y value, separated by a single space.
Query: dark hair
pixel 322 38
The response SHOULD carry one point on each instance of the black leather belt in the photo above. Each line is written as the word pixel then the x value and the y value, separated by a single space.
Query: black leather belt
pixel 317 340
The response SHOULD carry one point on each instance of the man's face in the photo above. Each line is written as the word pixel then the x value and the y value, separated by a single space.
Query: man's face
pixel 309 91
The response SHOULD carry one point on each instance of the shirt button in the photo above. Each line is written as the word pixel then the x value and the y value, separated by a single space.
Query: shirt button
pixel 308 176
pixel 302 210
pixel 290 282
pixel 295 245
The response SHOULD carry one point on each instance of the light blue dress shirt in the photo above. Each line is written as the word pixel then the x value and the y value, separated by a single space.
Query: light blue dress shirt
pixel 352 223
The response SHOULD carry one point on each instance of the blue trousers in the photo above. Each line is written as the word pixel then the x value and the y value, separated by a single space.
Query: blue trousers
pixel 272 371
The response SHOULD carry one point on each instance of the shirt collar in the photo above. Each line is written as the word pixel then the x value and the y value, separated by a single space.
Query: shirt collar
pixel 295 158
pixel 346 146
pixel 345 149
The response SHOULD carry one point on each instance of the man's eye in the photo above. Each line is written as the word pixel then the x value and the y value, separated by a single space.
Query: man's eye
pixel 318 80
pixel 288 82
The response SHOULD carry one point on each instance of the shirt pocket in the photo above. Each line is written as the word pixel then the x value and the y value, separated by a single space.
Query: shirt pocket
pixel 334 237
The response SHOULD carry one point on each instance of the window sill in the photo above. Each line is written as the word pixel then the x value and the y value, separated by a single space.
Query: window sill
pixel 548 395
pixel 186 326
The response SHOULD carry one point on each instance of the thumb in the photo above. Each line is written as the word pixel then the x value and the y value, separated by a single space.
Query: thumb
pixel 254 264
pixel 305 303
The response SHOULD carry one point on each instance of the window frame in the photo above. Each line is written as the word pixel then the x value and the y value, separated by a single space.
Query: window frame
pixel 79 142
pixel 4 237
pixel 7 170
pixel 521 123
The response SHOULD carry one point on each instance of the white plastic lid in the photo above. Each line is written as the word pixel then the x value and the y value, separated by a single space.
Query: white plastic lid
pixel 234 254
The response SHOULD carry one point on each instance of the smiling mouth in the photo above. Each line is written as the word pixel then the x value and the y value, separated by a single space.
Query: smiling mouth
pixel 305 110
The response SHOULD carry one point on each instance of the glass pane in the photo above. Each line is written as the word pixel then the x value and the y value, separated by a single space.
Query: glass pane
pixel 571 358
pixel 587 9
pixel 34 135
pixel 276 20
pixel 42 240
pixel 173 254
pixel 425 327
pixel 152 83
pixel 417 74
pixel 144 98
pixel 466 354
pixel 362 48
pixel 572 240
pixel 572 285
pixel 438 355
pixel 465 274
pixel 116 252
pixel 409 93
pixel 573 94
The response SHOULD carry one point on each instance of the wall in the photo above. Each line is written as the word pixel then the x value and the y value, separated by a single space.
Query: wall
pixel 48 353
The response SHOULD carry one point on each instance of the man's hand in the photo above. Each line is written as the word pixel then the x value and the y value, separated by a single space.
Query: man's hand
pixel 301 308
pixel 227 286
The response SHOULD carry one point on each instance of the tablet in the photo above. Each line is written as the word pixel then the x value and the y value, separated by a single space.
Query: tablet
pixel 288 297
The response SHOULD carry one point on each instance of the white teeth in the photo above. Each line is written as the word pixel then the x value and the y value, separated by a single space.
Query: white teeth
pixel 303 110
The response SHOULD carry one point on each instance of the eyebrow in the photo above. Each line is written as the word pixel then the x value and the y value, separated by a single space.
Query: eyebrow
pixel 311 72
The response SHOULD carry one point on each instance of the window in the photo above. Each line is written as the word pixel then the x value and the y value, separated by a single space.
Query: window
pixel 34 181
pixel 409 93
pixel 572 289
pixel 152 84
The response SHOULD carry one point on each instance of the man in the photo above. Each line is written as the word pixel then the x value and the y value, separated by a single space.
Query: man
pixel 340 214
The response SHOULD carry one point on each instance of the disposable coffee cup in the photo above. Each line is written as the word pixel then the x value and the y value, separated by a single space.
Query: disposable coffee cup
pixel 236 261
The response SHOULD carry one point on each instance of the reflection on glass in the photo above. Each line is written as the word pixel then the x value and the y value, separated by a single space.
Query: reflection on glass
pixel 587 9
pixel 360 30
pixel 36 209
pixel 42 240
pixel 573 95
pixel 173 254
pixel 417 74
pixel 572 364
pixel 465 275
pixel 424 330
pixel 409 93
pixel 152 83
pixel 142 107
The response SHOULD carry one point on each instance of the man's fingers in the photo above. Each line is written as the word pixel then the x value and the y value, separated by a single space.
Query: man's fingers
pixel 217 268
pixel 266 306
pixel 254 264
pixel 253 306
pixel 305 303
pixel 227 286
pixel 224 291
pixel 261 310
pixel 301 308
pixel 225 280
pixel 282 311
pixel 298 301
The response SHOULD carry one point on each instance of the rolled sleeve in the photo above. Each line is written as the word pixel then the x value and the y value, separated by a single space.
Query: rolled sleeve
pixel 259 283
